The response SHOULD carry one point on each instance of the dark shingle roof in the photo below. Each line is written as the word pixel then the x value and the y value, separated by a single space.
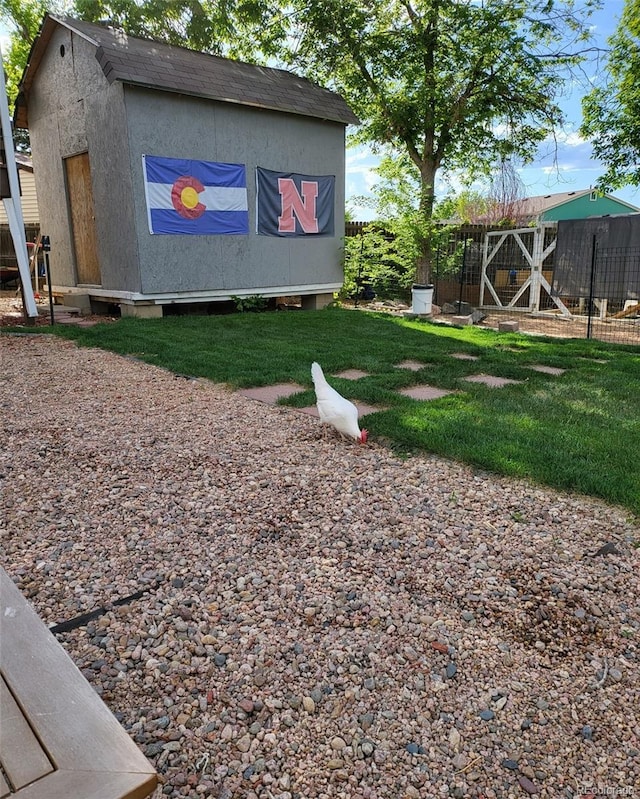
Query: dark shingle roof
pixel 156 65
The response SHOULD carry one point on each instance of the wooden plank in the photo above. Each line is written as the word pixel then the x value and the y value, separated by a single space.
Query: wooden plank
pixel 80 191
pixel 21 754
pixel 632 309
pixel 88 785
pixel 79 732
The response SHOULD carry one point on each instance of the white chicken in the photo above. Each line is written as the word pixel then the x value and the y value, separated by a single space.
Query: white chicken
pixel 334 409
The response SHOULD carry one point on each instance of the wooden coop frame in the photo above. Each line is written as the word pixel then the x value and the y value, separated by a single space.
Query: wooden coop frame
pixel 536 280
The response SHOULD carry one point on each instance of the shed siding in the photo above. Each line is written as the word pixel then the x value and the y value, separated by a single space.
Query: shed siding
pixel 584 207
pixel 49 102
pixel 72 109
pixel 177 126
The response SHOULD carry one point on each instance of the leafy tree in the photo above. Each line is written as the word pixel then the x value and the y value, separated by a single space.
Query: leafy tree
pixel 452 84
pixel 385 255
pixel 23 19
pixel 465 207
pixel 449 84
pixel 219 27
pixel 374 262
pixel 187 23
pixel 611 111
pixel 394 201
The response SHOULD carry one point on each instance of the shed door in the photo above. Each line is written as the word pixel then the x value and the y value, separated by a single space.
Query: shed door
pixel 83 219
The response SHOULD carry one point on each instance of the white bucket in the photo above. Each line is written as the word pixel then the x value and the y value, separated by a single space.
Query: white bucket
pixel 422 297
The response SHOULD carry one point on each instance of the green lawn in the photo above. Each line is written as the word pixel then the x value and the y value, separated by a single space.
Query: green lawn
pixel 579 431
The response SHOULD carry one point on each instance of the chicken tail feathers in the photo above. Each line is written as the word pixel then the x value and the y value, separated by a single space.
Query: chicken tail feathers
pixel 317 375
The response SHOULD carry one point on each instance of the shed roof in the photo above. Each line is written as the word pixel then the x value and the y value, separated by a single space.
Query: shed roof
pixel 24 162
pixel 155 65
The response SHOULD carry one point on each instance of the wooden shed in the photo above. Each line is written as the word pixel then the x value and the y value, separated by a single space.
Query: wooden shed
pixel 103 108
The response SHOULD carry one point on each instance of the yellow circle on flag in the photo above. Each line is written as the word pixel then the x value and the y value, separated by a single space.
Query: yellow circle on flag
pixel 189 197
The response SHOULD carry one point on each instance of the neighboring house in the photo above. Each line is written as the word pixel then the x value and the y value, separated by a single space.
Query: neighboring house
pixel 97 102
pixel 28 196
pixel 29 203
pixel 572 205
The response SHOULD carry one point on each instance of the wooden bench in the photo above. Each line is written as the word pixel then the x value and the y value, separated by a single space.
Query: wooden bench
pixel 58 740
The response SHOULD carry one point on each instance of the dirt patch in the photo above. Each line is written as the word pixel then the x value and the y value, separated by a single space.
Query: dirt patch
pixel 619 331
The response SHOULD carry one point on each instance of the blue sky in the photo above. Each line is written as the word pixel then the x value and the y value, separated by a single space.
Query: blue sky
pixel 571 168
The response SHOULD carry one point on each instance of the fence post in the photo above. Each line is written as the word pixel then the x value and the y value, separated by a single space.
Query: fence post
pixel 594 250
pixel 536 269
pixel 462 271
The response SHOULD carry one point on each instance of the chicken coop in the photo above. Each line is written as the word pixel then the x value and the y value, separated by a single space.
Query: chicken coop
pixel 570 267
pixel 168 177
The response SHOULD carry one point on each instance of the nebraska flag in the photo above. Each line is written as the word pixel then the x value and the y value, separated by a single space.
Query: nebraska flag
pixel 197 197
pixel 289 204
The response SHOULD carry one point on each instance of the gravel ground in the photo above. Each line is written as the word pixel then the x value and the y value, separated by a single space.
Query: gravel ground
pixel 319 619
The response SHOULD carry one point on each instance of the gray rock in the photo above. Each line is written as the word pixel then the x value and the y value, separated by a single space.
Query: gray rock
pixel 366 720
pixel 368 748
pixel 316 695
pixel 528 786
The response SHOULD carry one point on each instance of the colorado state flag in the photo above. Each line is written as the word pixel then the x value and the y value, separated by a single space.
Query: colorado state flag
pixel 195 197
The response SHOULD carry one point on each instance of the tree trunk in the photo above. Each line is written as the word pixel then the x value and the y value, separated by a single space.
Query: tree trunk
pixel 427 198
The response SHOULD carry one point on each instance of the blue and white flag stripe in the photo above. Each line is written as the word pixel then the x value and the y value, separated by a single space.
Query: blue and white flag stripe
pixel 209 173
pixel 209 224
pixel 185 196
pixel 215 198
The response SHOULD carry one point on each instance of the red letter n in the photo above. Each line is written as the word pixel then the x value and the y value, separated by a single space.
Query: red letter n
pixel 292 203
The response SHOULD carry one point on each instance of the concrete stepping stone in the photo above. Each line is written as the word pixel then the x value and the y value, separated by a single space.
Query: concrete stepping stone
pixel 352 374
pixel 424 392
pixel 364 409
pixel 463 356
pixel 271 394
pixel 415 366
pixel 65 319
pixel 491 380
pixel 548 370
